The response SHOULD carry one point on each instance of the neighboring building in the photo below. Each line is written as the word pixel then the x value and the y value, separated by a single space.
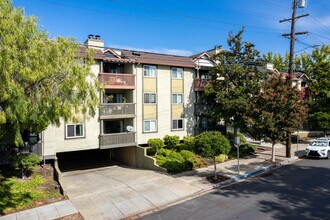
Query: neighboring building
pixel 204 63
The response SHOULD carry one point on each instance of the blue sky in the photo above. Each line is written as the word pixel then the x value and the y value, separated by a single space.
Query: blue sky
pixel 182 27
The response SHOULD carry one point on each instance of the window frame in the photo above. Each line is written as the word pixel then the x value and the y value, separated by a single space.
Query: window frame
pixel 149 75
pixel 176 94
pixel 182 124
pixel 149 93
pixel 150 120
pixel 176 72
pixel 75 127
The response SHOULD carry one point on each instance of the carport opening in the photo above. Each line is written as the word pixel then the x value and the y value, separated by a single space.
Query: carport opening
pixel 87 159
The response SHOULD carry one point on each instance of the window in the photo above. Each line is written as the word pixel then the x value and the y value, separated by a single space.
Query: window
pixel 74 130
pixel 177 98
pixel 149 98
pixel 177 124
pixel 177 73
pixel 150 125
pixel 149 71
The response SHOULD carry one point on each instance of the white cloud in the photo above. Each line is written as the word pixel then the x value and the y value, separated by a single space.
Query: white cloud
pixel 178 52
pixel 314 24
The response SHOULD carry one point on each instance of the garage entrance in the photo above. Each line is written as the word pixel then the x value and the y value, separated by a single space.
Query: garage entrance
pixel 89 159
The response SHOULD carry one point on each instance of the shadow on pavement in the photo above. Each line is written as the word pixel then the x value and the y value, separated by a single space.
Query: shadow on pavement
pixel 290 197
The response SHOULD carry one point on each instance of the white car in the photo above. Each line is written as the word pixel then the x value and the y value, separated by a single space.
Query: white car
pixel 319 148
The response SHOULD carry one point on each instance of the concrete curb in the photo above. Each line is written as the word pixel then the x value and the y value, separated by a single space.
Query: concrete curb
pixel 218 185
pixel 253 173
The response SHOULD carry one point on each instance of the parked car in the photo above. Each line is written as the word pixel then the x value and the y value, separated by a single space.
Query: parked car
pixel 319 148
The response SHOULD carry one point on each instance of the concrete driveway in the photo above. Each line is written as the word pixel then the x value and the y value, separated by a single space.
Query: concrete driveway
pixel 119 191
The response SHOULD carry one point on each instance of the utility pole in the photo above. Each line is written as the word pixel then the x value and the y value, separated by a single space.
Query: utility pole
pixel 292 36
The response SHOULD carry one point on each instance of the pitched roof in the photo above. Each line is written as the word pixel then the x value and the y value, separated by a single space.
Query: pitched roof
pixel 159 59
pixel 98 54
pixel 199 55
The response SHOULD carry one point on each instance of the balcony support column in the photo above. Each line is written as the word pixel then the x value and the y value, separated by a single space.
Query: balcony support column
pixel 102 126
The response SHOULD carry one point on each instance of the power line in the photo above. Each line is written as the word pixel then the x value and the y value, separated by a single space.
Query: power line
pixel 166 21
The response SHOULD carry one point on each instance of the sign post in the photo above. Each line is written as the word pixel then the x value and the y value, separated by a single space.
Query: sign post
pixel 237 142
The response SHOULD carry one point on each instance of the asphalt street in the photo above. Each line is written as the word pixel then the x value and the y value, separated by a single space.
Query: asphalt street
pixel 297 191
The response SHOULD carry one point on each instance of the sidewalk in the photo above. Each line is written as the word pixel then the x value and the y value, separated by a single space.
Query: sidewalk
pixel 126 192
pixel 46 212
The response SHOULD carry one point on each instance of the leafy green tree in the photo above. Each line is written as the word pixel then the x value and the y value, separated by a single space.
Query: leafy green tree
pixel 279 109
pixel 319 72
pixel 211 144
pixel 235 81
pixel 281 63
pixel 42 79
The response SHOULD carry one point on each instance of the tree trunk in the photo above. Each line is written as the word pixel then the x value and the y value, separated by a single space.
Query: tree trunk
pixel 288 145
pixel 273 152
pixel 215 169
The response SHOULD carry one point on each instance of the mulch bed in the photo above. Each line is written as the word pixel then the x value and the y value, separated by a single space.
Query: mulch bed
pixel 220 178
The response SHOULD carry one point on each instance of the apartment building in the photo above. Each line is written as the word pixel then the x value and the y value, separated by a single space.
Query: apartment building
pixel 146 95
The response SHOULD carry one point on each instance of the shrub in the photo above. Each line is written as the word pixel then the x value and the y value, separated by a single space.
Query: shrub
pixel 171 142
pixel 155 143
pixel 221 158
pixel 188 143
pixel 151 151
pixel 211 143
pixel 174 161
pixel 187 155
pixel 246 149
pixel 230 136
pixel 24 163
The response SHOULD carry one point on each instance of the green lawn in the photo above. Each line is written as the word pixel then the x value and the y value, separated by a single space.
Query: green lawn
pixel 18 194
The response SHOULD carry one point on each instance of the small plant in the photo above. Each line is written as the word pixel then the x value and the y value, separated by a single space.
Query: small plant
pixel 24 163
pixel 188 143
pixel 221 158
pixel 187 155
pixel 171 142
pixel 246 150
pixel 230 136
pixel 154 145
pixel 151 151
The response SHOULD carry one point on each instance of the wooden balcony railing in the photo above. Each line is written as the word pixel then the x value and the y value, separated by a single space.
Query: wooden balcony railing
pixel 116 110
pixel 117 140
pixel 199 84
pixel 117 81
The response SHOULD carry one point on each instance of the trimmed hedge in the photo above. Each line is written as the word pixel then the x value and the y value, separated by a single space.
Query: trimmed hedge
pixel 211 143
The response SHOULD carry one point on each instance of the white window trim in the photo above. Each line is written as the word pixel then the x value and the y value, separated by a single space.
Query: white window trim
pixel 176 73
pixel 150 130
pixel 178 129
pixel 150 102
pixel 178 103
pixel 75 124
pixel 149 66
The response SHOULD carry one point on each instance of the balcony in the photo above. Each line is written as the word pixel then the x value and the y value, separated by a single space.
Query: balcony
pixel 117 80
pixel 199 84
pixel 117 140
pixel 117 110
pixel 200 108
